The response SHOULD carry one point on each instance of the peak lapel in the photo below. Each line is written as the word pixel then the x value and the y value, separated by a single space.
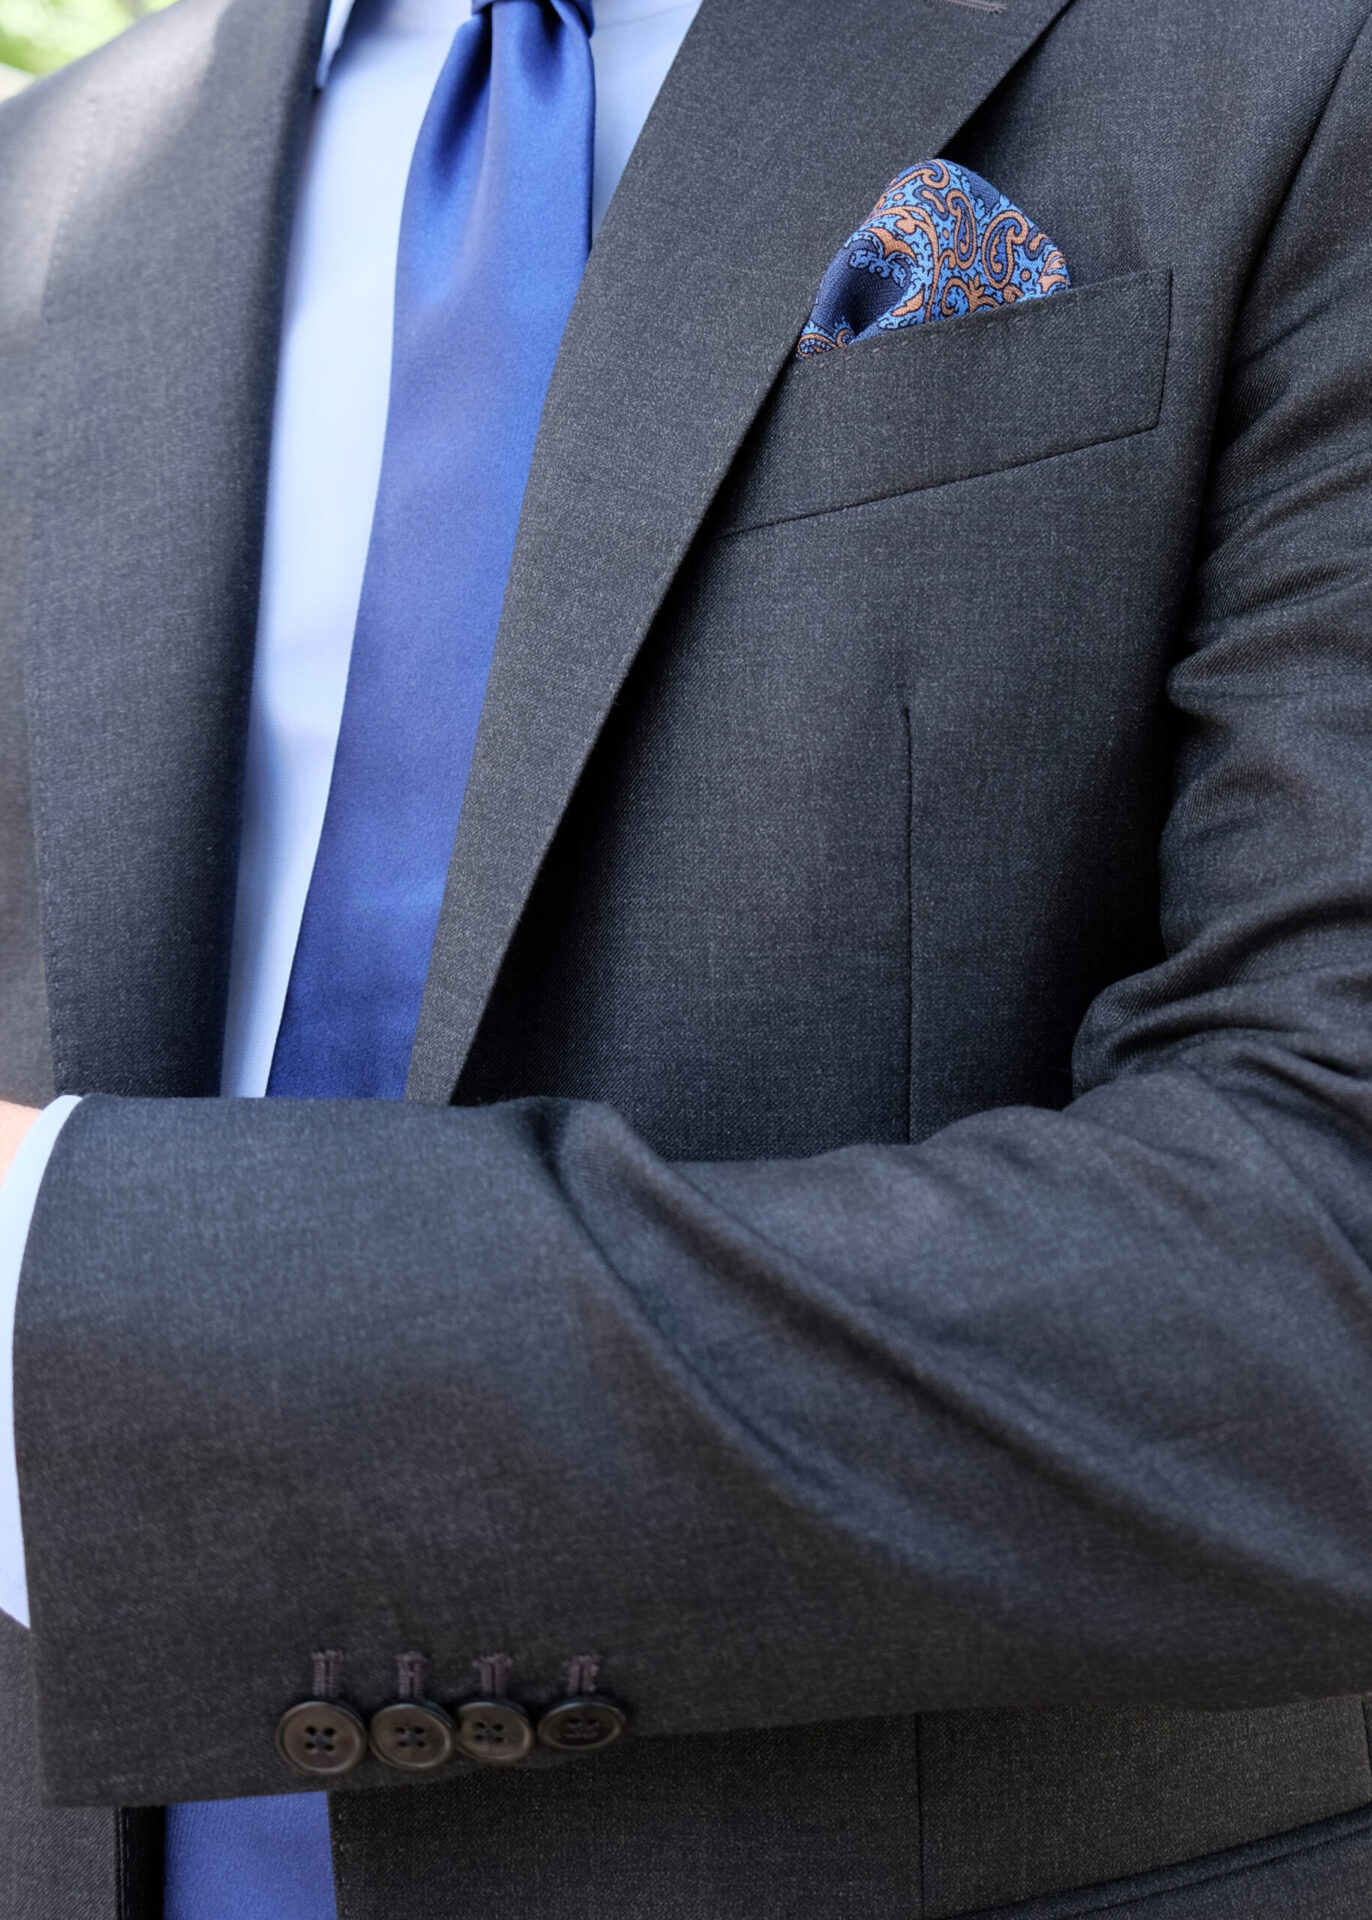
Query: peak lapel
pixel 156 351
pixel 778 126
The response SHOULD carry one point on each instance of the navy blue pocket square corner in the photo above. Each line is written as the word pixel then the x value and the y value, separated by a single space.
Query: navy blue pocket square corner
pixel 940 242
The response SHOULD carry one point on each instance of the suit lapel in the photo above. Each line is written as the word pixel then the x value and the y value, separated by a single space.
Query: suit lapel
pixel 777 128
pixel 156 353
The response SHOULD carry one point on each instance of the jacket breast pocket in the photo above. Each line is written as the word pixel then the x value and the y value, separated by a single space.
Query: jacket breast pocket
pixel 927 405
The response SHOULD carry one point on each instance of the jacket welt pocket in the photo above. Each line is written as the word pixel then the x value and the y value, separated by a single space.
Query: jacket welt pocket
pixel 932 404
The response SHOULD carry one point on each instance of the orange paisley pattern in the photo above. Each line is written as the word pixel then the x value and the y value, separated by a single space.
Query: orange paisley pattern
pixel 940 242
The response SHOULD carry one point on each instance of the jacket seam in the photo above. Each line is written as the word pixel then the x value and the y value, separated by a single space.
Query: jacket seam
pixel 1262 249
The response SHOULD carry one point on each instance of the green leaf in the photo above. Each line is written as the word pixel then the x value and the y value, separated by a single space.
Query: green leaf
pixel 38 36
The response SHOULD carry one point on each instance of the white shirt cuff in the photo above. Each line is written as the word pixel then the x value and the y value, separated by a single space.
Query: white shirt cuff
pixel 18 1197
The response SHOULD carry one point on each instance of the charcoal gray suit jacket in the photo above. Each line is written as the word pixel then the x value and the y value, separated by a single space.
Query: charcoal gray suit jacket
pixel 877 1249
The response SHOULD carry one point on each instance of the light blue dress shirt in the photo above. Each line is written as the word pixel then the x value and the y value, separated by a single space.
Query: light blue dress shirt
pixel 380 62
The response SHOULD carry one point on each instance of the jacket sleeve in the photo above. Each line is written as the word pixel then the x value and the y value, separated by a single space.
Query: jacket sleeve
pixel 1051 1405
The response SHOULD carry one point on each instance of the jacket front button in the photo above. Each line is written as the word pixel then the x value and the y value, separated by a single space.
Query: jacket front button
pixel 321 1738
pixel 582 1725
pixel 412 1734
pixel 494 1730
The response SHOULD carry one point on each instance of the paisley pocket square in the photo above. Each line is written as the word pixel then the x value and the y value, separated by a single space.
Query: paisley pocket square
pixel 940 242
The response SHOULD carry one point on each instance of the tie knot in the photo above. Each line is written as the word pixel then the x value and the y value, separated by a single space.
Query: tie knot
pixel 582 7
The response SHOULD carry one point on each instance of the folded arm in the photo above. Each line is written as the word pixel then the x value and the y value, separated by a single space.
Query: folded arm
pixel 1048 1406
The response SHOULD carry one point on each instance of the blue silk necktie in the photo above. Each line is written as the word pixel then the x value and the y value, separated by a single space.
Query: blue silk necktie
pixel 493 241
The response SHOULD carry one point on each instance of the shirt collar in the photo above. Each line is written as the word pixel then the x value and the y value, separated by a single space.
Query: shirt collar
pixel 334 29
pixel 609 13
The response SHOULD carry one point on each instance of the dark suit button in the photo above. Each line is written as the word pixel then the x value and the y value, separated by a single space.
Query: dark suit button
pixel 413 1734
pixel 321 1737
pixel 582 1725
pixel 494 1730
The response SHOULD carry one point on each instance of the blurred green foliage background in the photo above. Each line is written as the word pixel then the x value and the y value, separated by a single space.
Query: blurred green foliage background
pixel 37 36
